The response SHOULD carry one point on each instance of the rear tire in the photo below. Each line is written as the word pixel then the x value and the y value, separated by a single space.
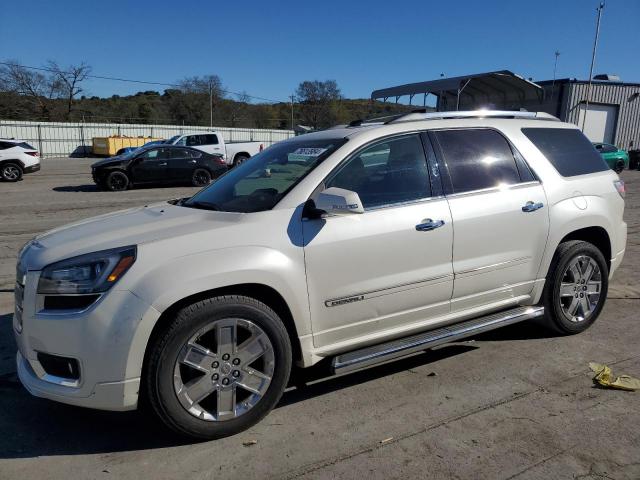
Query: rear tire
pixel 576 287
pixel 219 367
pixel 239 159
pixel 11 172
pixel 117 181
pixel 200 177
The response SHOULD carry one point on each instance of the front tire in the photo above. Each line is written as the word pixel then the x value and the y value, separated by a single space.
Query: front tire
pixel 576 287
pixel 619 166
pixel 219 367
pixel 11 172
pixel 117 181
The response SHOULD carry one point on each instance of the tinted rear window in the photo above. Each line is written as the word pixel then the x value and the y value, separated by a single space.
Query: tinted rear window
pixel 568 150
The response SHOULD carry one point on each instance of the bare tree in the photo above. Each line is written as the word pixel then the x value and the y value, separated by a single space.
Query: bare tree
pixel 67 82
pixel 28 82
pixel 210 85
pixel 317 98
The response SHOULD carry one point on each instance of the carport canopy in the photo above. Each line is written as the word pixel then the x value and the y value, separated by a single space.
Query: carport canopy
pixel 502 87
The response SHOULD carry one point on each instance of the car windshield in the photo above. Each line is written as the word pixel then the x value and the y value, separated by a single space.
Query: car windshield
pixel 130 153
pixel 173 139
pixel 259 183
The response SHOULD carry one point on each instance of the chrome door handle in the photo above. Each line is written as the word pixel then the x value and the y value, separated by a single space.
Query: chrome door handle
pixel 162 164
pixel 192 161
pixel 429 224
pixel 532 207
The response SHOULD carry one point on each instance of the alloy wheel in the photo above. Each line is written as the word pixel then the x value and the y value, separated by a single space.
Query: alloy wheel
pixel 11 172
pixel 224 370
pixel 580 288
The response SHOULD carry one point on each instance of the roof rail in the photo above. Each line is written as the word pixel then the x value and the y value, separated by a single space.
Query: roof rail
pixel 415 116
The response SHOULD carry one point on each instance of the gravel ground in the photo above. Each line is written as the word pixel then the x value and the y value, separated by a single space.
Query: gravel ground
pixel 513 403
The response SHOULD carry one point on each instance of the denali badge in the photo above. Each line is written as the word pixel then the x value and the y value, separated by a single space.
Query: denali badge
pixel 342 301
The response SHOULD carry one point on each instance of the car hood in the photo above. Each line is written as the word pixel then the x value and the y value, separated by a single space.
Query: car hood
pixel 135 226
pixel 107 161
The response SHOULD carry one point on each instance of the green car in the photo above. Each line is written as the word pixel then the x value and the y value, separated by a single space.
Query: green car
pixel 617 159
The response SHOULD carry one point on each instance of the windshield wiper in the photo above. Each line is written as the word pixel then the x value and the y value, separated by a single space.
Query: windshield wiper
pixel 202 205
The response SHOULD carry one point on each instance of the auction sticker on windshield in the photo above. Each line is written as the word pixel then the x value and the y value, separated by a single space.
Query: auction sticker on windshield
pixel 304 154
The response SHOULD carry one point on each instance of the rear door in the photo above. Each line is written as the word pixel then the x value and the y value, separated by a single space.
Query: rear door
pixel 151 166
pixel 499 212
pixel 182 163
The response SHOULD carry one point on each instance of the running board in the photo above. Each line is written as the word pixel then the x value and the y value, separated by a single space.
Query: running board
pixel 384 352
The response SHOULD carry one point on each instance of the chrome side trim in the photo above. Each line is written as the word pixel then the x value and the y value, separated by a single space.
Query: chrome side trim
pixel 494 266
pixel 373 355
pixel 357 297
pixel 513 186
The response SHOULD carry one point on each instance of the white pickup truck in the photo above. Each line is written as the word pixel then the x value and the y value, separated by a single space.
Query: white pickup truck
pixel 212 142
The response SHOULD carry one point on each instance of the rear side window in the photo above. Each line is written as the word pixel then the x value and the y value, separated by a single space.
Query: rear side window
pixel 477 159
pixel 568 150
pixel 25 145
pixel 208 139
pixel 5 145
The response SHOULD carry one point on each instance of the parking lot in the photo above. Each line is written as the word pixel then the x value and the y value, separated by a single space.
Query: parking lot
pixel 513 403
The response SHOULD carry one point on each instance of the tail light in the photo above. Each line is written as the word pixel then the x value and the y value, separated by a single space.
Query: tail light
pixel 261 147
pixel 33 154
pixel 220 160
pixel 620 187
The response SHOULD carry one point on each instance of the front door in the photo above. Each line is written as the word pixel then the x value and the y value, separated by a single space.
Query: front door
pixel 372 273
pixel 151 166
pixel 500 216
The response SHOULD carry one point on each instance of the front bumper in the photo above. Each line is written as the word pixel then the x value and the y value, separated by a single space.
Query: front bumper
pixel 108 340
pixel 117 396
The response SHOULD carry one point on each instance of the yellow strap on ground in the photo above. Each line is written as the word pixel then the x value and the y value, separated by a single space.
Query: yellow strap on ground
pixel 604 376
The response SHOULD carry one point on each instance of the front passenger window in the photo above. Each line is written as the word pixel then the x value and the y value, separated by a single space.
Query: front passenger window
pixel 388 172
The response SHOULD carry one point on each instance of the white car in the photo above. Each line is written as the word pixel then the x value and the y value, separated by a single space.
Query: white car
pixel 334 245
pixel 17 158
pixel 234 153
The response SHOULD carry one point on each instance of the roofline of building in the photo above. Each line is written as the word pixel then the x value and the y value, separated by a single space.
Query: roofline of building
pixel 595 82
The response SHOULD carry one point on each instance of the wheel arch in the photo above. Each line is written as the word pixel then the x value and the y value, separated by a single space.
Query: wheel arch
pixel 595 235
pixel 263 293
pixel 241 154
pixel 13 160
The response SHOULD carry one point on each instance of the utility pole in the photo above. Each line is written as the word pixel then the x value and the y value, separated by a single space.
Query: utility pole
pixel 593 61
pixel 555 68
pixel 210 104
pixel 291 96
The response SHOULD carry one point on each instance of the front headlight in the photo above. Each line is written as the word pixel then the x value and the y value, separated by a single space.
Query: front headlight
pixel 91 273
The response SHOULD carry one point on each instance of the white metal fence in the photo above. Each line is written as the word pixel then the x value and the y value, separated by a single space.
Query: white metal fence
pixel 58 139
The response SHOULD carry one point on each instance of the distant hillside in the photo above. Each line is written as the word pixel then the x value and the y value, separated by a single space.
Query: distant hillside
pixel 178 107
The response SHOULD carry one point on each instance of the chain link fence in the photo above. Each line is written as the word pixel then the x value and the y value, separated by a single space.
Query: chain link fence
pixel 58 139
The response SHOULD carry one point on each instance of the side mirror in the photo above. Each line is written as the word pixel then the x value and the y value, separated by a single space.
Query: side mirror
pixel 338 201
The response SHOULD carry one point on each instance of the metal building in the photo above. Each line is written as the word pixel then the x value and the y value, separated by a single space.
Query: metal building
pixel 613 114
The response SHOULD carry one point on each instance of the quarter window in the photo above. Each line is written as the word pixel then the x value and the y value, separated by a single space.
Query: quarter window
pixel 567 149
pixel 477 159
pixel 392 171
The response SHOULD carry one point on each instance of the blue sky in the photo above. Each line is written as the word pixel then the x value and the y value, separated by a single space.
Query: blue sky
pixel 267 48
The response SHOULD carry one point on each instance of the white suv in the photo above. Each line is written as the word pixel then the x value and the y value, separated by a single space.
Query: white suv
pixel 17 158
pixel 356 245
